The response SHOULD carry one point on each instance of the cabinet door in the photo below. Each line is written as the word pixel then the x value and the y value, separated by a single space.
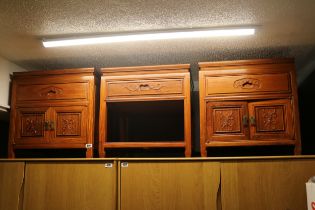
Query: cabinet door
pixel 226 121
pixel 267 184
pixel 30 125
pixel 11 182
pixel 69 124
pixel 271 119
pixel 70 186
pixel 169 185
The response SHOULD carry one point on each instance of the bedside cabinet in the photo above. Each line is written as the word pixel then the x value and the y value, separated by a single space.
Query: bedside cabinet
pixel 52 110
pixel 248 103
pixel 145 107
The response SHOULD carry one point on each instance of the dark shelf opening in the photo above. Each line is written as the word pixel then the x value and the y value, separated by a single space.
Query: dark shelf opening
pixel 50 153
pixel 145 152
pixel 277 150
pixel 145 121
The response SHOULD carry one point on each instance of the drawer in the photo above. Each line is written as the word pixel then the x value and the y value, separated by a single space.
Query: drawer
pixel 145 87
pixel 248 83
pixel 52 91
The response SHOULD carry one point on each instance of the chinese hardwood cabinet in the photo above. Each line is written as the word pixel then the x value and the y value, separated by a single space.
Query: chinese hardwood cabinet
pixel 248 103
pixel 145 107
pixel 52 109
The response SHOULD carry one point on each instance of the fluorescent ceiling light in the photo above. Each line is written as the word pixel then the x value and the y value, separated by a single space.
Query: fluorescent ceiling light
pixel 149 36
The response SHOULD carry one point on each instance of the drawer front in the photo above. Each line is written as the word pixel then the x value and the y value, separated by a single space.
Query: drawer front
pixel 52 91
pixel 145 87
pixel 248 83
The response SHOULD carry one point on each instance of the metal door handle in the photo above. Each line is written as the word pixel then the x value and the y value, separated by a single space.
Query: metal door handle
pixel 52 125
pixel 245 120
pixel 252 120
pixel 49 125
pixel 46 126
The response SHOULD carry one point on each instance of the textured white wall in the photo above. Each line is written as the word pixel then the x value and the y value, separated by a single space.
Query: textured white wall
pixel 6 68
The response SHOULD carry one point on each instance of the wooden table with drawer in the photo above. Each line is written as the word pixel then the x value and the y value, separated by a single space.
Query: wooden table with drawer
pixel 52 110
pixel 248 103
pixel 145 107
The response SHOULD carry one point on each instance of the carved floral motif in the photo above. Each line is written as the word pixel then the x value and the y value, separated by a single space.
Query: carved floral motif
pixel 68 124
pixel 227 120
pixel 270 119
pixel 68 127
pixel 32 126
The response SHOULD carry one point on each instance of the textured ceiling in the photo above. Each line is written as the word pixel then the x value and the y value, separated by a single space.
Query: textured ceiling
pixel 285 28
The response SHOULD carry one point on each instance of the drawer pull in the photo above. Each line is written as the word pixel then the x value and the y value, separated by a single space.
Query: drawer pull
pixel 50 91
pixel 252 121
pixel 144 87
pixel 245 120
pixel 247 83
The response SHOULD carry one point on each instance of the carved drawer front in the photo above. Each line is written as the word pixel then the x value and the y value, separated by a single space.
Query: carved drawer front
pixel 52 91
pixel 271 119
pixel 227 121
pixel 31 125
pixel 145 87
pixel 248 83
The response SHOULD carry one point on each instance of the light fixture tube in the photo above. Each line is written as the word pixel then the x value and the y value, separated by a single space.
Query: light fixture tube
pixel 149 36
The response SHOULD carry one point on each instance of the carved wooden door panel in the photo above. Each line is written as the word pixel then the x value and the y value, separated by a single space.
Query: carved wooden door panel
pixel 227 121
pixel 271 119
pixel 69 124
pixel 31 125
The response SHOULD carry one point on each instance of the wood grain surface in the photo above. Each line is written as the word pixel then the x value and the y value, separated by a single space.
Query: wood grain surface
pixel 169 185
pixel 262 185
pixel 11 184
pixel 70 186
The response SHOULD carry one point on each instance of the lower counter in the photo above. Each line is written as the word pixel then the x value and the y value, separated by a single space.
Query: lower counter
pixel 260 183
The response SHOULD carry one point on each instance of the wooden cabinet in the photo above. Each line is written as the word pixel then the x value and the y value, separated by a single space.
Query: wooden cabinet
pixel 52 109
pixel 248 103
pixel 164 183
pixel 145 106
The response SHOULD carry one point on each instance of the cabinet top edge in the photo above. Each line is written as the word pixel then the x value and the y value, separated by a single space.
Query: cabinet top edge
pixel 55 72
pixel 245 62
pixel 172 67
pixel 56 159
pixel 291 157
